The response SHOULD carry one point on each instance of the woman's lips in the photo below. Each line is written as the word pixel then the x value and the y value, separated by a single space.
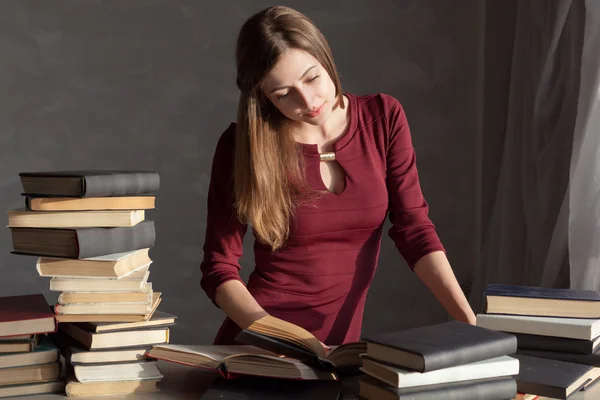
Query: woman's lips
pixel 316 112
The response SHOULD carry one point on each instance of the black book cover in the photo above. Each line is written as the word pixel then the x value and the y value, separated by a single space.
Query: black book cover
pixel 98 183
pixel 542 293
pixel 89 242
pixel 550 378
pixel 448 344
pixel 501 388
pixel 551 343
pixel 592 359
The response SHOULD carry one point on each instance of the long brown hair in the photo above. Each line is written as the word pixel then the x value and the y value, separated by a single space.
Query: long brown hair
pixel 269 180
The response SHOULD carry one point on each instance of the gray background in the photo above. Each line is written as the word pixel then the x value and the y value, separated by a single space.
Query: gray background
pixel 151 85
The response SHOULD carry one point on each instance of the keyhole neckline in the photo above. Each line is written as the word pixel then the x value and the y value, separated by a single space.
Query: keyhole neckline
pixel 312 149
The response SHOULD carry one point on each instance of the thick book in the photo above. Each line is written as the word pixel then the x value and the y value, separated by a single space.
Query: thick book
pixel 234 361
pixel 592 359
pixel 90 203
pixel 71 298
pixel 489 389
pixel 282 337
pixel 19 344
pixel 117 265
pixel 74 388
pixel 553 343
pixel 540 301
pixel 75 353
pixel 438 346
pixel 117 339
pixel 553 378
pixel 25 315
pixel 74 219
pixel 44 353
pixel 30 374
pixel 403 378
pixel 574 328
pixel 137 281
pixel 159 318
pixel 137 370
pixel 156 300
pixel 82 242
pixel 31 389
pixel 89 183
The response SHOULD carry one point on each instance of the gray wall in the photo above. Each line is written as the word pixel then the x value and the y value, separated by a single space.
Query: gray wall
pixel 151 85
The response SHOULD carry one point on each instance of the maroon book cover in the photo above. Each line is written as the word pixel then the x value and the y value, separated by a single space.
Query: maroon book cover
pixel 25 315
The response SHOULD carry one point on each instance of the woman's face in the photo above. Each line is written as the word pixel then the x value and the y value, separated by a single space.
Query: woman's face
pixel 300 88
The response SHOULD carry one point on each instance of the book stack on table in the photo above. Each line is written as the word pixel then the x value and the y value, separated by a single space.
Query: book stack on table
pixel 29 362
pixel 452 360
pixel 89 232
pixel 558 335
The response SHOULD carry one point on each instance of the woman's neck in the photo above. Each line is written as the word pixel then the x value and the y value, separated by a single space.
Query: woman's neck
pixel 328 133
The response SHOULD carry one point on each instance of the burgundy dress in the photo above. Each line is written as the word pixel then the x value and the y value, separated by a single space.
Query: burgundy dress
pixel 320 278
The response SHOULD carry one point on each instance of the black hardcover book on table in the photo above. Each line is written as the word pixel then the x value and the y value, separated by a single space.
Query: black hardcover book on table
pixel 434 347
pixel 541 292
pixel 77 243
pixel 540 301
pixel 592 359
pixel 552 378
pixel 501 388
pixel 89 183
pixel 557 344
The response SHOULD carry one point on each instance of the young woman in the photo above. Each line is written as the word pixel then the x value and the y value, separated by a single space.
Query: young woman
pixel 315 172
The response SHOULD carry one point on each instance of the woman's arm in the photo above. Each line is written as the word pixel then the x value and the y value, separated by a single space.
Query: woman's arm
pixel 436 273
pixel 237 302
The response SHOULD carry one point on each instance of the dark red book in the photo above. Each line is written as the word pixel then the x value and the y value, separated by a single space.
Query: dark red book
pixel 25 315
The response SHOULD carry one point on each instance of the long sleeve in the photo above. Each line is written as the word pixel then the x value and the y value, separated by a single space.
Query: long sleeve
pixel 412 230
pixel 223 245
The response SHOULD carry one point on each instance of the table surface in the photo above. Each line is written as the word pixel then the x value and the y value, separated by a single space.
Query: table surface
pixel 182 382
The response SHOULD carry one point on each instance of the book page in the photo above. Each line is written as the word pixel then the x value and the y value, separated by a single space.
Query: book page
pixel 278 328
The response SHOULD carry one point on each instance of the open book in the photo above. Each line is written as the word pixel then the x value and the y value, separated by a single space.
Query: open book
pixel 282 337
pixel 231 361
pixel 273 348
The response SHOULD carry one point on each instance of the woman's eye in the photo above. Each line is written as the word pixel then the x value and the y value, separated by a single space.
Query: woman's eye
pixel 313 78
pixel 282 96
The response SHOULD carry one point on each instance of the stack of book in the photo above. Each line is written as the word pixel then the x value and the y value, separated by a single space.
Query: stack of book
pixel 110 358
pixel 558 334
pixel 91 236
pixel 29 362
pixel 452 360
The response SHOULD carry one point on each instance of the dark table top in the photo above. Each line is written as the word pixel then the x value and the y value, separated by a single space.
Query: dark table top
pixel 182 382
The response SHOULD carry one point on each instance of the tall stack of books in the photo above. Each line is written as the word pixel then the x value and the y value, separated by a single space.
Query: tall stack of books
pixel 558 334
pixel 91 236
pixel 452 360
pixel 29 362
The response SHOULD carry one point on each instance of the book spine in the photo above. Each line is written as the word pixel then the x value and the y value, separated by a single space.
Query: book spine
pixel 95 242
pixel 538 342
pixel 121 184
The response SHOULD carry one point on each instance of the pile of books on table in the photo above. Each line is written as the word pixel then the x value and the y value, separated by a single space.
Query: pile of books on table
pixel 558 334
pixel 91 237
pixel 29 362
pixel 452 360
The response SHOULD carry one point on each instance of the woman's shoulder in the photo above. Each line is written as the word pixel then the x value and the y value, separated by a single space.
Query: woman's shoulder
pixel 228 135
pixel 377 104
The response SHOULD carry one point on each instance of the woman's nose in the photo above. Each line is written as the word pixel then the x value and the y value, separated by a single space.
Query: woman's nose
pixel 307 100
